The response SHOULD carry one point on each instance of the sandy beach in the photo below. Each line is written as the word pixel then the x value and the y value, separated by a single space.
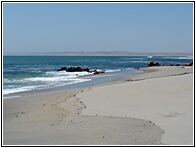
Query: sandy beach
pixel 153 108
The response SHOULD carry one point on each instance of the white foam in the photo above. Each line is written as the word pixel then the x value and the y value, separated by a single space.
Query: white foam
pixel 51 79
pixel 185 58
pixel 44 79
pixel 15 90
pixel 67 74
pixel 52 82
pixel 149 57
pixel 168 57
pixel 115 70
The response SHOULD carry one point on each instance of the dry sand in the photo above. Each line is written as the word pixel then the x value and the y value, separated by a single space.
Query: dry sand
pixel 147 109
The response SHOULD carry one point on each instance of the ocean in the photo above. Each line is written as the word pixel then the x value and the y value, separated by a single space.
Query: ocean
pixel 24 75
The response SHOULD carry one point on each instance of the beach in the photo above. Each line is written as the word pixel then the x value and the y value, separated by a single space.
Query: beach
pixel 151 108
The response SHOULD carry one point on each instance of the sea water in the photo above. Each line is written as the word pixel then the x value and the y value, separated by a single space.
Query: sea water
pixel 30 74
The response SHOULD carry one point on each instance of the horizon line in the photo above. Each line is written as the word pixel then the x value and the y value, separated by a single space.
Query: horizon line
pixel 102 53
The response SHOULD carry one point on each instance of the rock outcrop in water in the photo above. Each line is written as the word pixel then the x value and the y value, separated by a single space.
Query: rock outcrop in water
pixel 97 72
pixel 62 68
pixel 154 64
pixel 79 69
pixel 188 64
pixel 157 64
pixel 73 69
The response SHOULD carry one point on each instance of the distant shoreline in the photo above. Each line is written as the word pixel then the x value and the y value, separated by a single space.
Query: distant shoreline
pixel 98 54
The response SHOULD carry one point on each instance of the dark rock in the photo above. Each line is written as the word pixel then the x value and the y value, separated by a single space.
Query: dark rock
pixel 177 65
pixel 156 64
pixel 98 72
pixel 79 69
pixel 62 68
pixel 71 69
pixel 189 64
pixel 92 71
pixel 85 69
pixel 95 71
pixel 151 64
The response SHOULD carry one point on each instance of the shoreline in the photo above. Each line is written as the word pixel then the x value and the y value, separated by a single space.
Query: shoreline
pixel 62 117
pixel 37 80
pixel 93 80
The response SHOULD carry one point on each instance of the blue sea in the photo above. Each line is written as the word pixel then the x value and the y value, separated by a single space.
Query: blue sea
pixel 23 75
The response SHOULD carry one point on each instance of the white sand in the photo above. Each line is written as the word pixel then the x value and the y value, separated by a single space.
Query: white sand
pixel 147 109
pixel 167 101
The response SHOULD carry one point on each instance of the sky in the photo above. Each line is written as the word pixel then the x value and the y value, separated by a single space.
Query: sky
pixel 64 27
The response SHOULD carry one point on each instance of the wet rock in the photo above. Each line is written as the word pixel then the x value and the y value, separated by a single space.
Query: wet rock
pixel 156 64
pixel 98 72
pixel 73 69
pixel 85 69
pixel 188 64
pixel 153 64
pixel 62 69
pixel 80 69
pixel 176 64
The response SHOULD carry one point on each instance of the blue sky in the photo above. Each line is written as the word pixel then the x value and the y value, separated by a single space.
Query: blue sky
pixel 133 27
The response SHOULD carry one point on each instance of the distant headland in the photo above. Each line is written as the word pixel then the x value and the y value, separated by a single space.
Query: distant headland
pixel 101 53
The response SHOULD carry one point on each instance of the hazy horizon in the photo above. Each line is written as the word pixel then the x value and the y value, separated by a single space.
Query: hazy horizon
pixel 103 53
